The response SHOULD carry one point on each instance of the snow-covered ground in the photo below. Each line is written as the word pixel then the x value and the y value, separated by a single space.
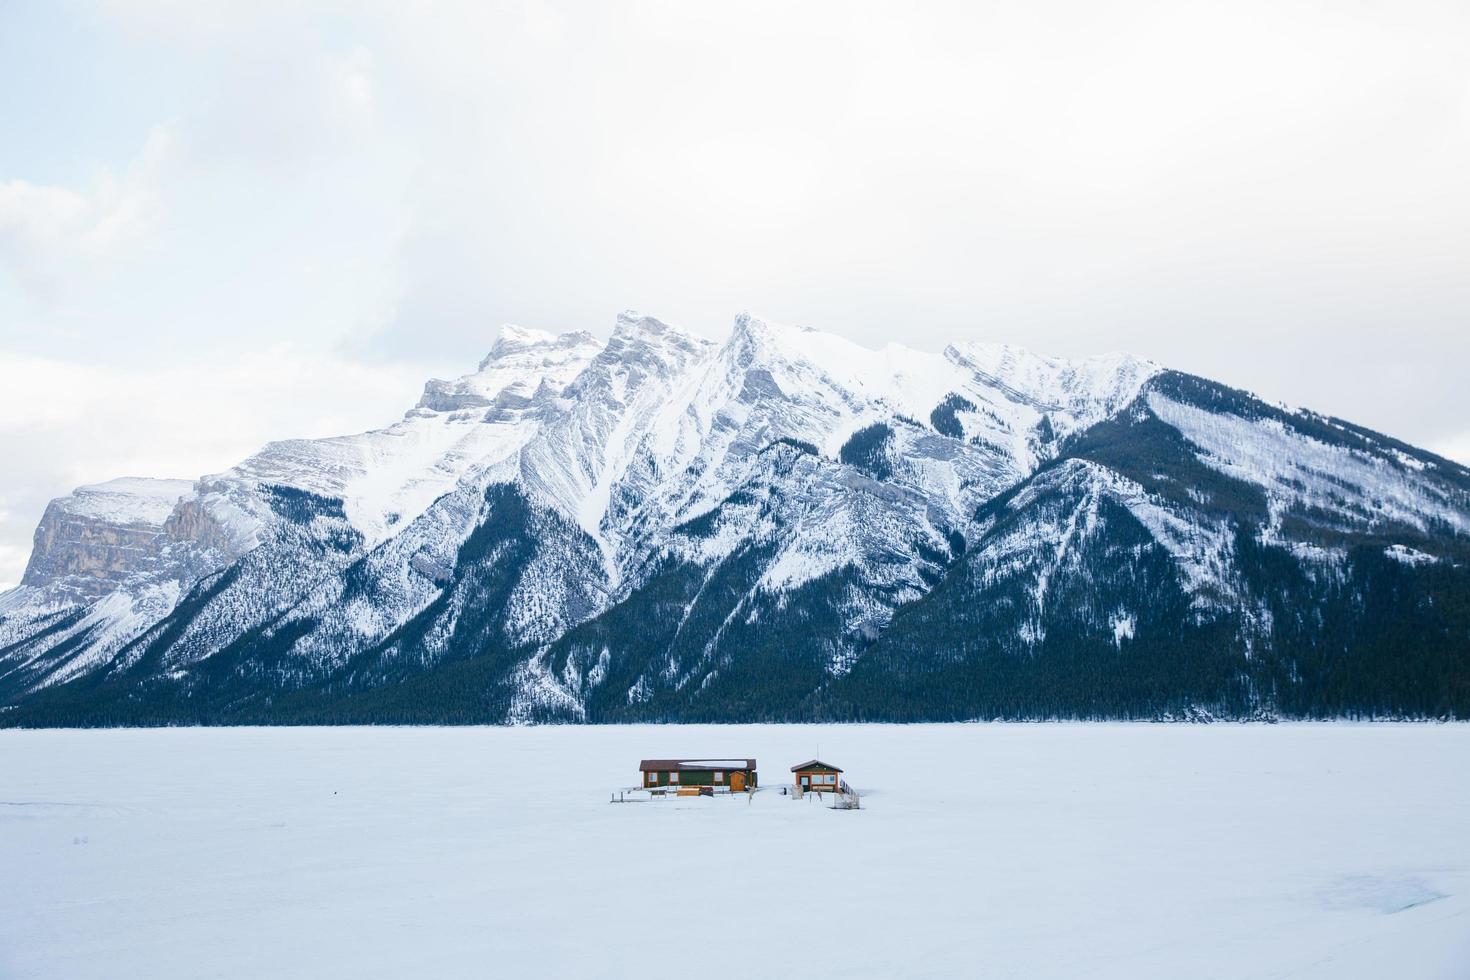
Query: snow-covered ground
pixel 981 850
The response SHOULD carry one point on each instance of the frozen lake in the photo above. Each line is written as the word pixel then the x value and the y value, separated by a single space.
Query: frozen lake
pixel 981 851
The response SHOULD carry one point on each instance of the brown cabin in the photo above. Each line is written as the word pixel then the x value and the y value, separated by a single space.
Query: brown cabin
pixel 671 775
pixel 817 776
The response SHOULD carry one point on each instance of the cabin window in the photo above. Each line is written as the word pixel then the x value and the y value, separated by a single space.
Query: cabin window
pixel 719 776
pixel 673 777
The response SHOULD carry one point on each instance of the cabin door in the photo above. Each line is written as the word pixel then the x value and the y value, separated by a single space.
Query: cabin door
pixel 737 782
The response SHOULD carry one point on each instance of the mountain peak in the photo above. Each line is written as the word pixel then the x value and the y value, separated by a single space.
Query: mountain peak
pixel 759 337
pixel 753 324
pixel 519 361
pixel 1106 381
pixel 1008 358
pixel 126 500
pixel 515 340
pixel 633 320
pixel 634 326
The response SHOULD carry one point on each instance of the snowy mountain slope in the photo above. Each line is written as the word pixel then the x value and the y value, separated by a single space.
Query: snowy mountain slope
pixel 1351 481
pixel 602 441
pixel 1199 552
pixel 780 525
pixel 606 414
pixel 792 461
pixel 388 477
pixel 770 382
pixel 1084 391
pixel 350 494
pixel 108 560
pixel 805 556
pixel 294 513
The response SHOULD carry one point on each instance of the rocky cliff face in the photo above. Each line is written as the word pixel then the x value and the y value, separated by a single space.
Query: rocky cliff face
pixel 94 538
pixel 781 525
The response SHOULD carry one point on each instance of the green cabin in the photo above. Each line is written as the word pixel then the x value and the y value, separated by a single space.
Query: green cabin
pixel 728 775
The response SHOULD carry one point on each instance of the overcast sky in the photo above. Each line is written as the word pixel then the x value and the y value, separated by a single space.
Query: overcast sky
pixel 222 223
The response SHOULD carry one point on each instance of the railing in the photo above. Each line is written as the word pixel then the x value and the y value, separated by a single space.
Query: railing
pixel 844 797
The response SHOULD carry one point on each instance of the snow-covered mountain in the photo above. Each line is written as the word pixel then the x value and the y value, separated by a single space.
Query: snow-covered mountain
pixel 782 525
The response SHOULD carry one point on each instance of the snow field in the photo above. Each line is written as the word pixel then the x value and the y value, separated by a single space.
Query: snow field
pixel 1330 850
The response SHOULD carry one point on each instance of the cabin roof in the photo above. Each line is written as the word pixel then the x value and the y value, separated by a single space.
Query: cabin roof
pixel 689 765
pixel 815 764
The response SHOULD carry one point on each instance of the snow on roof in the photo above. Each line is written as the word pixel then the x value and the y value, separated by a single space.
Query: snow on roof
pixel 673 765
pixel 815 764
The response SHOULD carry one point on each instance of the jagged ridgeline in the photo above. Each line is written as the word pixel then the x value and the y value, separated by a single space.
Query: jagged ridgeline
pixel 781 526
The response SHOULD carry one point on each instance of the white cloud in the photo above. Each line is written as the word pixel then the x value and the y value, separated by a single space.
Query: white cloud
pixel 64 424
pixel 350 84
pixel 56 238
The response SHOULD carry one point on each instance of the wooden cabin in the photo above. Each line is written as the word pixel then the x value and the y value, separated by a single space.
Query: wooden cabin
pixel 817 776
pixel 671 775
